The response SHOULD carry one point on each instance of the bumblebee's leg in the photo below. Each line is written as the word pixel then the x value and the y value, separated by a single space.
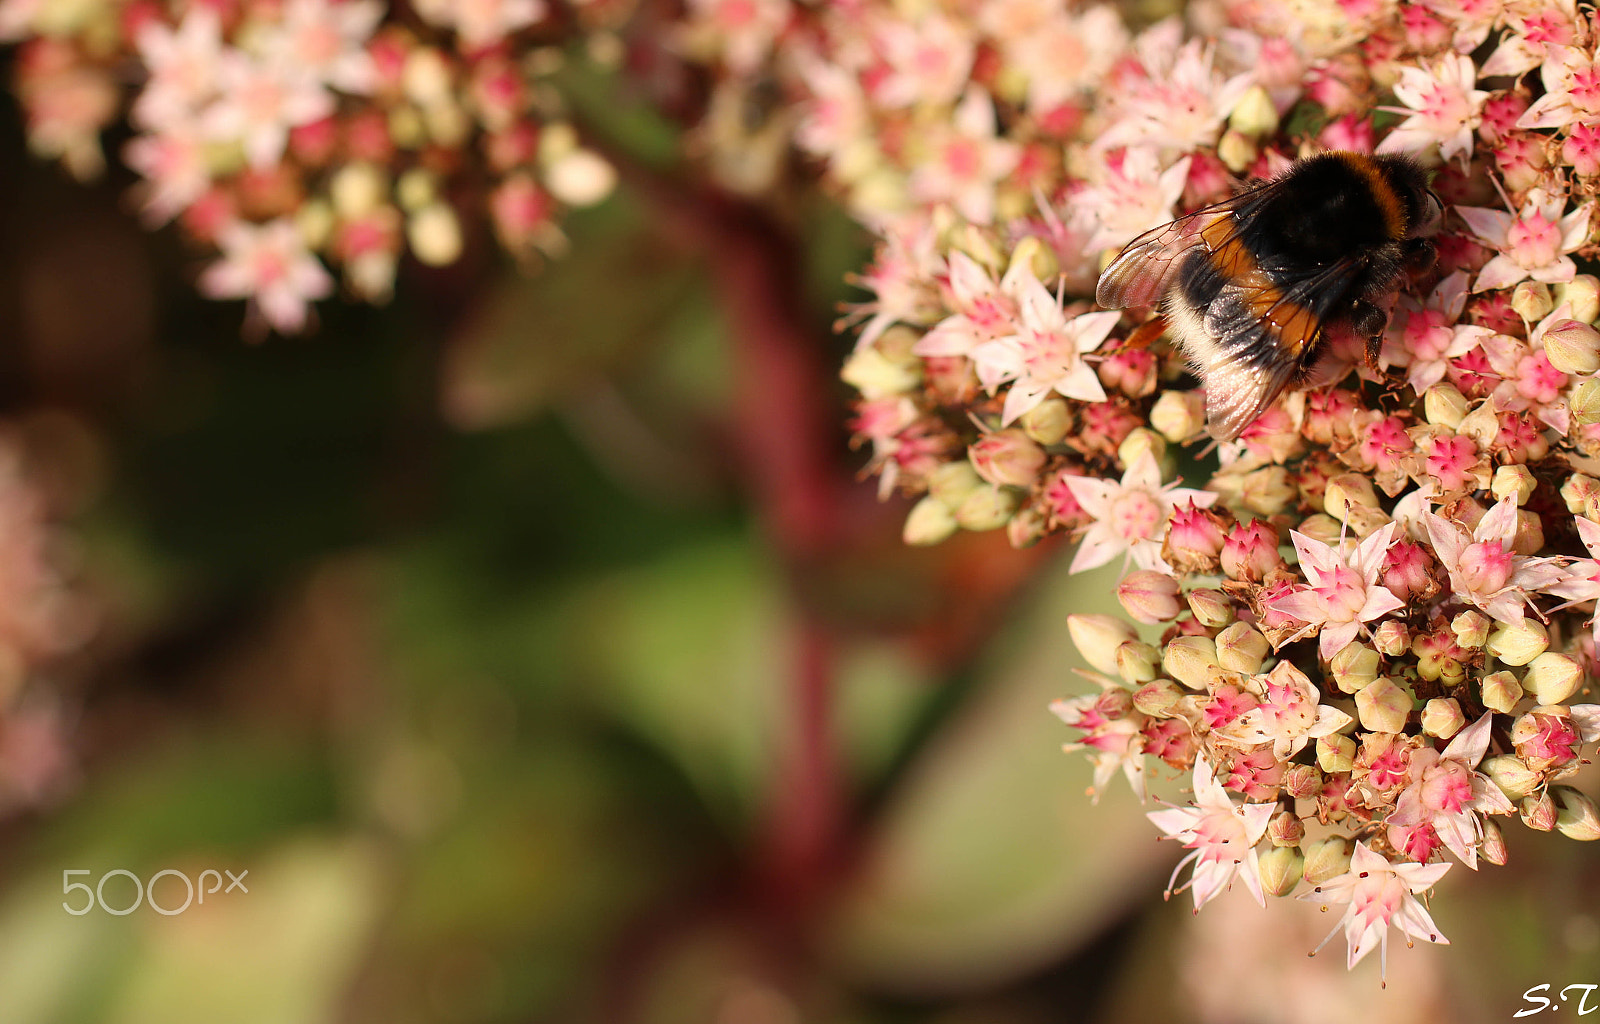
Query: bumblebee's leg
pixel 1418 255
pixel 1367 320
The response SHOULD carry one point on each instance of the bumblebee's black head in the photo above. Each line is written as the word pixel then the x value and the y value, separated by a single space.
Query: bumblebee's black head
pixel 1408 182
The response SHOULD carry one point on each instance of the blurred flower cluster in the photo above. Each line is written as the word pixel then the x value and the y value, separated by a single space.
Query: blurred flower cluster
pixel 290 136
pixel 1377 610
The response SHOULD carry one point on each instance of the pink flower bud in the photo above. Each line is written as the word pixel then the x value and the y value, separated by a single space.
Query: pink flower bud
pixel 1150 597
pixel 1251 551
pixel 1007 458
pixel 1194 539
pixel 1302 781
pixel 1492 847
pixel 1391 638
pixel 1539 812
pixel 1545 739
pixel 1286 829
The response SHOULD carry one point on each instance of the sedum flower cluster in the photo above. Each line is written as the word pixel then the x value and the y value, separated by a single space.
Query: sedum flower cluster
pixel 291 138
pixel 1376 607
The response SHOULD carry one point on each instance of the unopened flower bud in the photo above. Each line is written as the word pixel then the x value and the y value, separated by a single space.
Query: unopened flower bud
pixel 876 375
pixel 930 522
pixel 1286 829
pixel 952 482
pixel 1355 667
pixel 1212 608
pixel 1492 847
pixel 1251 551
pixel 1190 660
pixel 1519 644
pixel 1254 115
pixel 581 178
pixel 1576 814
pixel 1348 489
pixel 1442 717
pixel 1532 301
pixel 1581 493
pixel 415 189
pixel 1501 691
pixel 1158 697
pixel 1481 425
pixel 1150 596
pixel 358 188
pixel 1539 811
pixel 1047 422
pixel 1268 490
pixel 1236 151
pixel 1302 781
pixel 1392 638
pixel 1336 754
pixel 1138 662
pixel 1585 402
pixel 1383 706
pixel 1529 537
pixel 1032 253
pixel 1242 648
pixel 1513 482
pixel 987 508
pixel 1142 440
pixel 1026 528
pixel 1582 293
pixel 1322 527
pixel 1007 458
pixel 1179 415
pixel 1281 868
pixel 1326 858
pixel 1552 677
pixel 1471 629
pixel 1097 638
pixel 434 234
pixel 1444 405
pixel 1572 347
pixel 1511 775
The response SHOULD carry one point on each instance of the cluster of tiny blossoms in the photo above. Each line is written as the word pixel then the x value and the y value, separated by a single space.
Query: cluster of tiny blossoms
pixel 1379 603
pixel 291 135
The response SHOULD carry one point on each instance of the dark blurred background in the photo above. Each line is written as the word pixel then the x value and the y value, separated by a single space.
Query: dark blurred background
pixel 533 644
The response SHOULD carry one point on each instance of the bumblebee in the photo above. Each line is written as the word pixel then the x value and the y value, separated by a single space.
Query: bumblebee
pixel 1254 287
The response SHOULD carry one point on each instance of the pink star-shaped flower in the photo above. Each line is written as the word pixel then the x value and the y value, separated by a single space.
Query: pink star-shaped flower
pixel 1222 836
pixel 1129 516
pixel 1342 589
pixel 1380 894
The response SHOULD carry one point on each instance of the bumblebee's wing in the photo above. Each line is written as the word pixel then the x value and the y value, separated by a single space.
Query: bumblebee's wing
pixel 1139 276
pixel 1261 336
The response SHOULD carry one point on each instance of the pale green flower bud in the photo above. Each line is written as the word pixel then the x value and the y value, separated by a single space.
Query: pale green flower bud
pixel 978 243
pixel 425 79
pixel 1572 347
pixel 1383 706
pixel 1139 441
pixel 1323 527
pixel 1518 645
pixel 1348 489
pixel 1179 415
pixel 1532 301
pixel 1326 858
pixel 1156 698
pixel 1236 151
pixel 1492 847
pixel 315 221
pixel 1355 667
pixel 1444 405
pixel 1032 253
pixel 1268 490
pixel 1212 608
pixel 1286 829
pixel 1392 638
pixel 1007 458
pixel 1576 814
pixel 1471 629
pixel 1190 660
pixel 1501 691
pixel 1149 596
pixel 416 188
pixel 1539 811
pixel 1097 638
pixel 1529 538
pixel 1513 482
pixel 358 188
pixel 1047 422
pixel 1585 402
pixel 434 234
pixel 1552 677
pixel 1442 717
pixel 930 522
pixel 1242 648
pixel 1581 493
pixel 953 482
pixel 1482 425
pixel 1281 869
pixel 987 508
pixel 876 375
pixel 1138 662
pixel 1336 754
pixel 1255 114
pixel 1583 293
pixel 1511 775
